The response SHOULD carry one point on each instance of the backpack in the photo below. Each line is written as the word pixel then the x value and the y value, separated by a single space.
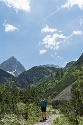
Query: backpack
pixel 42 103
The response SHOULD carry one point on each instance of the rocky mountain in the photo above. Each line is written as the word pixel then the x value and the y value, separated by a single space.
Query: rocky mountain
pixel 12 66
pixel 65 94
pixel 6 77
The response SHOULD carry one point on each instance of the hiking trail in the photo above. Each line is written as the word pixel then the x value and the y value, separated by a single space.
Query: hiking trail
pixel 49 120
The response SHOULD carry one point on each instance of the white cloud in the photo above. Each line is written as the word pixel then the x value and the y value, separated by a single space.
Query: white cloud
pixel 55 53
pixel 60 31
pixel 52 55
pixel 65 63
pixel 42 51
pixel 77 32
pixel 47 29
pixel 23 5
pixel 52 42
pixel 76 59
pixel 59 57
pixel 81 21
pixel 71 3
pixel 10 28
pixel 55 40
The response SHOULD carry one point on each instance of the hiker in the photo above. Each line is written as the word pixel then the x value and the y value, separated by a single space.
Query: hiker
pixel 43 108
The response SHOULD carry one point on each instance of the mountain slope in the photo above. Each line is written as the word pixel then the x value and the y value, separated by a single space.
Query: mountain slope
pixel 65 94
pixel 36 74
pixel 69 64
pixel 79 62
pixel 51 86
pixel 72 74
pixel 12 66
pixel 5 77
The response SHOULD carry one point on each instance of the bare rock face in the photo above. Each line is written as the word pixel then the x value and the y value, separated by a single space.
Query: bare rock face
pixel 12 66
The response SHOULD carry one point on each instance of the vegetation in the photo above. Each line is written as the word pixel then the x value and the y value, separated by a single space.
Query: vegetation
pixel 18 105
pixel 36 74
pixel 65 121
pixel 72 109
pixel 22 105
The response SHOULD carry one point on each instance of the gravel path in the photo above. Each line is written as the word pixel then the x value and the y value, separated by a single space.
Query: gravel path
pixel 49 121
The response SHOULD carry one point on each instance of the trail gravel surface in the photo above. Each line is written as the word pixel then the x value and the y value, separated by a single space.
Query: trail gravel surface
pixel 49 121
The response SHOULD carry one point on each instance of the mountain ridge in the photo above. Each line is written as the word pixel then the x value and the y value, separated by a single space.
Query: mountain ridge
pixel 36 74
pixel 40 73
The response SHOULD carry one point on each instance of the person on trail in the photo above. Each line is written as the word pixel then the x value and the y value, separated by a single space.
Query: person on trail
pixel 43 108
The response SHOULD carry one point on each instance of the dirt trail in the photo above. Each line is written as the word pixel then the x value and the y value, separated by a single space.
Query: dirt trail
pixel 49 121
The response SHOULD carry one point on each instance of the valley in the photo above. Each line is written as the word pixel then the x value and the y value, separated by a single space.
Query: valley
pixel 62 87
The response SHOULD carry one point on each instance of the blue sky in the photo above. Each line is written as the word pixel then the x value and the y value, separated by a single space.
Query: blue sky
pixel 39 32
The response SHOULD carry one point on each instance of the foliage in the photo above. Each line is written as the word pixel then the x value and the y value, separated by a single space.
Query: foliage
pixel 23 103
pixel 18 105
pixel 12 119
pixel 77 97
pixel 73 109
pixel 65 121
pixel 36 74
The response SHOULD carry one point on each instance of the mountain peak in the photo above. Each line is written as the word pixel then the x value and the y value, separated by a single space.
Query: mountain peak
pixel 12 57
pixel 80 60
pixel 12 66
